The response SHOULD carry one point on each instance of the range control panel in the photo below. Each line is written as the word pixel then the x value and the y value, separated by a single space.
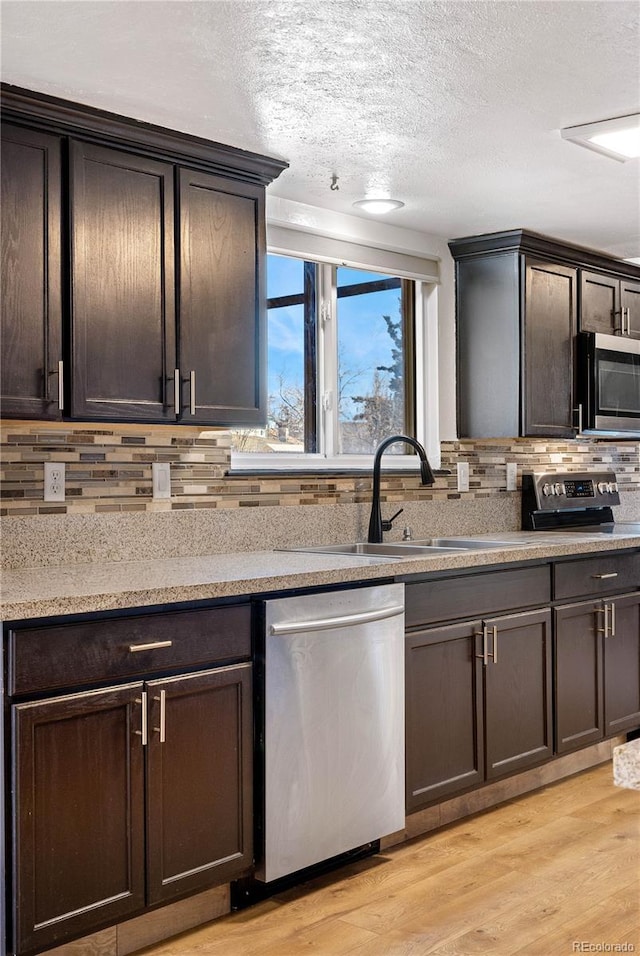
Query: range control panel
pixel 565 501
pixel 556 491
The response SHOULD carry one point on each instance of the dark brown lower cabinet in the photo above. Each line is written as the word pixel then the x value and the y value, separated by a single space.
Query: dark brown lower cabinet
pixel 597 670
pixel 85 812
pixel 578 669
pixel 199 796
pixel 444 743
pixel 79 830
pixel 622 665
pixel 478 698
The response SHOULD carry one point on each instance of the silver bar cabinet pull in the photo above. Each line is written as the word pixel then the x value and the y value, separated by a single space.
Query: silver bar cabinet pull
pixel 192 391
pixel 162 728
pixel 176 390
pixel 612 619
pixel 134 648
pixel 495 644
pixel 484 657
pixel 143 732
pixel 603 577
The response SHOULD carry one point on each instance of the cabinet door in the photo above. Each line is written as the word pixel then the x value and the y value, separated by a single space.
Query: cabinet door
pixel 578 675
pixel 622 665
pixel 599 302
pixel 78 814
pixel 222 319
pixel 630 299
pixel 550 323
pixel 122 286
pixel 443 713
pixel 31 273
pixel 199 800
pixel 517 680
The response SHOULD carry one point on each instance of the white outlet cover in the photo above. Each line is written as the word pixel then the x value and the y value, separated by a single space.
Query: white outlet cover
pixel 463 476
pixel 161 479
pixel 512 476
pixel 54 481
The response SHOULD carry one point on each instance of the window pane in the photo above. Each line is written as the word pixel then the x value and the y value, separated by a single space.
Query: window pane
pixel 285 363
pixel 371 361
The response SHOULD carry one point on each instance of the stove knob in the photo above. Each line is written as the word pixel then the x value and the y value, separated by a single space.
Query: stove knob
pixel 603 487
pixel 548 489
pixel 613 487
pixel 560 489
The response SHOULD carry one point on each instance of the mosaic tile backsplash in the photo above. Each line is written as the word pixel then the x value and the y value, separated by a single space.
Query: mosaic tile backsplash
pixel 108 469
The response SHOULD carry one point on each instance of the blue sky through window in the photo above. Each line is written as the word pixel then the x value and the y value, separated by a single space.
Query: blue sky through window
pixel 363 340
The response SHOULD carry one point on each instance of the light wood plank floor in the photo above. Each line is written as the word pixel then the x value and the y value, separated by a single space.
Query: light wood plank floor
pixel 536 876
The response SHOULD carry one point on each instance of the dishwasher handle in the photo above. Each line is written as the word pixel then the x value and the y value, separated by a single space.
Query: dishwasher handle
pixel 330 623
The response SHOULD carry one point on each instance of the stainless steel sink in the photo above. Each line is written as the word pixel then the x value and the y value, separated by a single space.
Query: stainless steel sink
pixel 469 544
pixel 408 550
pixel 412 549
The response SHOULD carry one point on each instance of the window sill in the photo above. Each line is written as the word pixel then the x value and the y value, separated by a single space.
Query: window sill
pixel 325 472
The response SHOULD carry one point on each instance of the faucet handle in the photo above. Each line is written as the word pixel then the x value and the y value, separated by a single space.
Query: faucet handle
pixel 387 524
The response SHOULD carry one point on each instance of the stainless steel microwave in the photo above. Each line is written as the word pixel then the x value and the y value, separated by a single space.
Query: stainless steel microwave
pixel 608 380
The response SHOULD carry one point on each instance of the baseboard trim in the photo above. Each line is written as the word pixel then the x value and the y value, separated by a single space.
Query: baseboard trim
pixel 500 790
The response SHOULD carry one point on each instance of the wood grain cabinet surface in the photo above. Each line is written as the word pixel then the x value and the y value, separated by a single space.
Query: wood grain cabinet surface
pixel 479 691
pixel 602 299
pixel 518 309
pixel 596 670
pixel 134 794
pixel 493 694
pixel 31 273
pixel 148 281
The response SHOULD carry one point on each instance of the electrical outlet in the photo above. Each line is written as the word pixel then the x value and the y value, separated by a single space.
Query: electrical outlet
pixel 161 478
pixel 512 476
pixel 54 480
pixel 463 476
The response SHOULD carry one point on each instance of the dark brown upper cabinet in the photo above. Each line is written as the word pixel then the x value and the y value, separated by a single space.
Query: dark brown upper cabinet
pixel 150 279
pixel 609 304
pixel 517 315
pixel 122 285
pixel 32 376
pixel 221 288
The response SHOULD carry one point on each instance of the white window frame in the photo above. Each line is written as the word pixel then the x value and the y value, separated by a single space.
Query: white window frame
pixel 426 383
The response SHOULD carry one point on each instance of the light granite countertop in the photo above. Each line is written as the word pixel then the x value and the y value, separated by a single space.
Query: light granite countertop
pixel 85 588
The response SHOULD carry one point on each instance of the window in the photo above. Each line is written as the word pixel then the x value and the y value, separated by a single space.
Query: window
pixel 341 366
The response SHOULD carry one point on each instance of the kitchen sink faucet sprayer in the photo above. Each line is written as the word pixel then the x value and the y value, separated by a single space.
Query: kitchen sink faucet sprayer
pixel 376 524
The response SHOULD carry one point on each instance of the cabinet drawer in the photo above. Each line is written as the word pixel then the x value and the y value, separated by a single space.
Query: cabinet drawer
pixel 68 655
pixel 590 577
pixel 475 595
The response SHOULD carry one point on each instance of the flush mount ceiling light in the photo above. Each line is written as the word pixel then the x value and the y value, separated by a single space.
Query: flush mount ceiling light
pixel 378 206
pixel 618 138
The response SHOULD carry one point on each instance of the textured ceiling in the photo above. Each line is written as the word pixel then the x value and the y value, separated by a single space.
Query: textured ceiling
pixel 453 107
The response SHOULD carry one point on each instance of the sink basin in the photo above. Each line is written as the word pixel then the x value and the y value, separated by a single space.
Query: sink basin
pixel 469 544
pixel 399 550
pixel 412 549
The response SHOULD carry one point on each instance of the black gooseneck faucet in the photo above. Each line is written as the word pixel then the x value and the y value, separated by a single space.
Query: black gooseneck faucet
pixel 376 524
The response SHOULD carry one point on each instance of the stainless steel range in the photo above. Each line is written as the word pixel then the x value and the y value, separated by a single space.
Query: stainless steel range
pixel 569 501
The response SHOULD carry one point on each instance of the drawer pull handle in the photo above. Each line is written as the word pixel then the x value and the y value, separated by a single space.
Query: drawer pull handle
pixel 602 577
pixel 134 648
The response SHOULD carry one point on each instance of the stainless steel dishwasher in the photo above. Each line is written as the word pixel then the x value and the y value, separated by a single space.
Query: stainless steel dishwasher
pixel 333 725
